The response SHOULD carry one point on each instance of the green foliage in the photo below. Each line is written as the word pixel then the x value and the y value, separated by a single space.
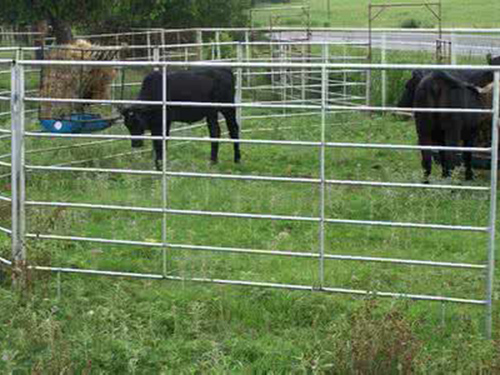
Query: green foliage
pixel 95 15
pixel 176 14
pixel 411 23
pixel 26 12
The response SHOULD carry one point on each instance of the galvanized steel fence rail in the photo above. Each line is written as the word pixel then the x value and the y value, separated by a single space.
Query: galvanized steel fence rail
pixel 19 233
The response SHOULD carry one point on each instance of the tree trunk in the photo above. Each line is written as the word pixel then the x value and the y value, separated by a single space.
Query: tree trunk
pixel 62 31
pixel 41 28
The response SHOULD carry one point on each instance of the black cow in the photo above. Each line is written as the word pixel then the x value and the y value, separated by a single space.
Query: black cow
pixel 442 90
pixel 211 85
pixel 474 77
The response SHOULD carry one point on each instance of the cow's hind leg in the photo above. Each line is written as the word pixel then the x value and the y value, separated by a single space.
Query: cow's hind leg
pixel 424 132
pixel 214 130
pixel 467 156
pixel 450 160
pixel 233 127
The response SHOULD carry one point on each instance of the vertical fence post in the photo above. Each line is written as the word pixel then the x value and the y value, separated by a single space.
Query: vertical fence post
pixel 239 85
pixel 217 42
pixel 303 74
pixel 324 104
pixel 163 50
pixel 453 48
pixel 18 174
pixel 148 40
pixel 493 203
pixel 248 55
pixel 344 75
pixel 326 59
pixel 164 179
pixel 156 55
pixel 199 41
pixel 163 39
pixel 383 60
pixel 283 78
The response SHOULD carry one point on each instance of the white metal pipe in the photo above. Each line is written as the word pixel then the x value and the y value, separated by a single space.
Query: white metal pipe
pixel 261 142
pixel 18 177
pixel 282 253
pixel 408 225
pixel 5 261
pixel 262 105
pixel 286 65
pixel 257 178
pixel 6 230
pixel 256 216
pixel 164 177
pixel 421 297
pixel 493 204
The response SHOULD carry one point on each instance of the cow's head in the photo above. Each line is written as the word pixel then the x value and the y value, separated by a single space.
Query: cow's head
pixel 408 96
pixel 135 120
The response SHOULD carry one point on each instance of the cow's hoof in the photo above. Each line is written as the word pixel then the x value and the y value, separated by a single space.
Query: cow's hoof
pixel 469 177
pixel 158 165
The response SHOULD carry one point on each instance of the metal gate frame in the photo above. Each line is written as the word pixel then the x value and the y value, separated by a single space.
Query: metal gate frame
pixel 19 234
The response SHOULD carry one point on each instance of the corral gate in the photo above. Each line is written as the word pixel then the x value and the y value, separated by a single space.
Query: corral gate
pixel 19 233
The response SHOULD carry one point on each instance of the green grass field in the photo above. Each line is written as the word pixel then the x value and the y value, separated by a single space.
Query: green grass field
pixel 110 325
pixel 354 13
pixel 117 325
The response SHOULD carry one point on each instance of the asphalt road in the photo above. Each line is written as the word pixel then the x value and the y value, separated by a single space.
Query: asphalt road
pixel 465 44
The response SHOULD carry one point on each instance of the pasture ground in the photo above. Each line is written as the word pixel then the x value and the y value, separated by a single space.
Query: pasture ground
pixel 354 13
pixel 119 325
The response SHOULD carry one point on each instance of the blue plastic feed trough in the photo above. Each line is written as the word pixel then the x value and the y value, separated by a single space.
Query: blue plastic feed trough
pixel 77 123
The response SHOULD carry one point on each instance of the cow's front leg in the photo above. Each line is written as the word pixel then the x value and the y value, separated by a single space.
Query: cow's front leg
pixel 158 146
pixel 214 130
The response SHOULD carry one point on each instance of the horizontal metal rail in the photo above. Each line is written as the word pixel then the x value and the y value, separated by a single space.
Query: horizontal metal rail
pixel 5 199
pixel 5 230
pixel 246 65
pixel 257 178
pixel 263 285
pixel 303 29
pixel 408 225
pixel 260 141
pixel 262 105
pixel 238 215
pixel 235 215
pixel 5 261
pixel 409 262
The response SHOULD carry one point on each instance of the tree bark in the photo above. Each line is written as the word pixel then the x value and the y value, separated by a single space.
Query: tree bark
pixel 41 28
pixel 62 31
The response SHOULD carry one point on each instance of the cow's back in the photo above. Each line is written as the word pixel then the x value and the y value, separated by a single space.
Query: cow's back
pixel 209 85
pixel 442 90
